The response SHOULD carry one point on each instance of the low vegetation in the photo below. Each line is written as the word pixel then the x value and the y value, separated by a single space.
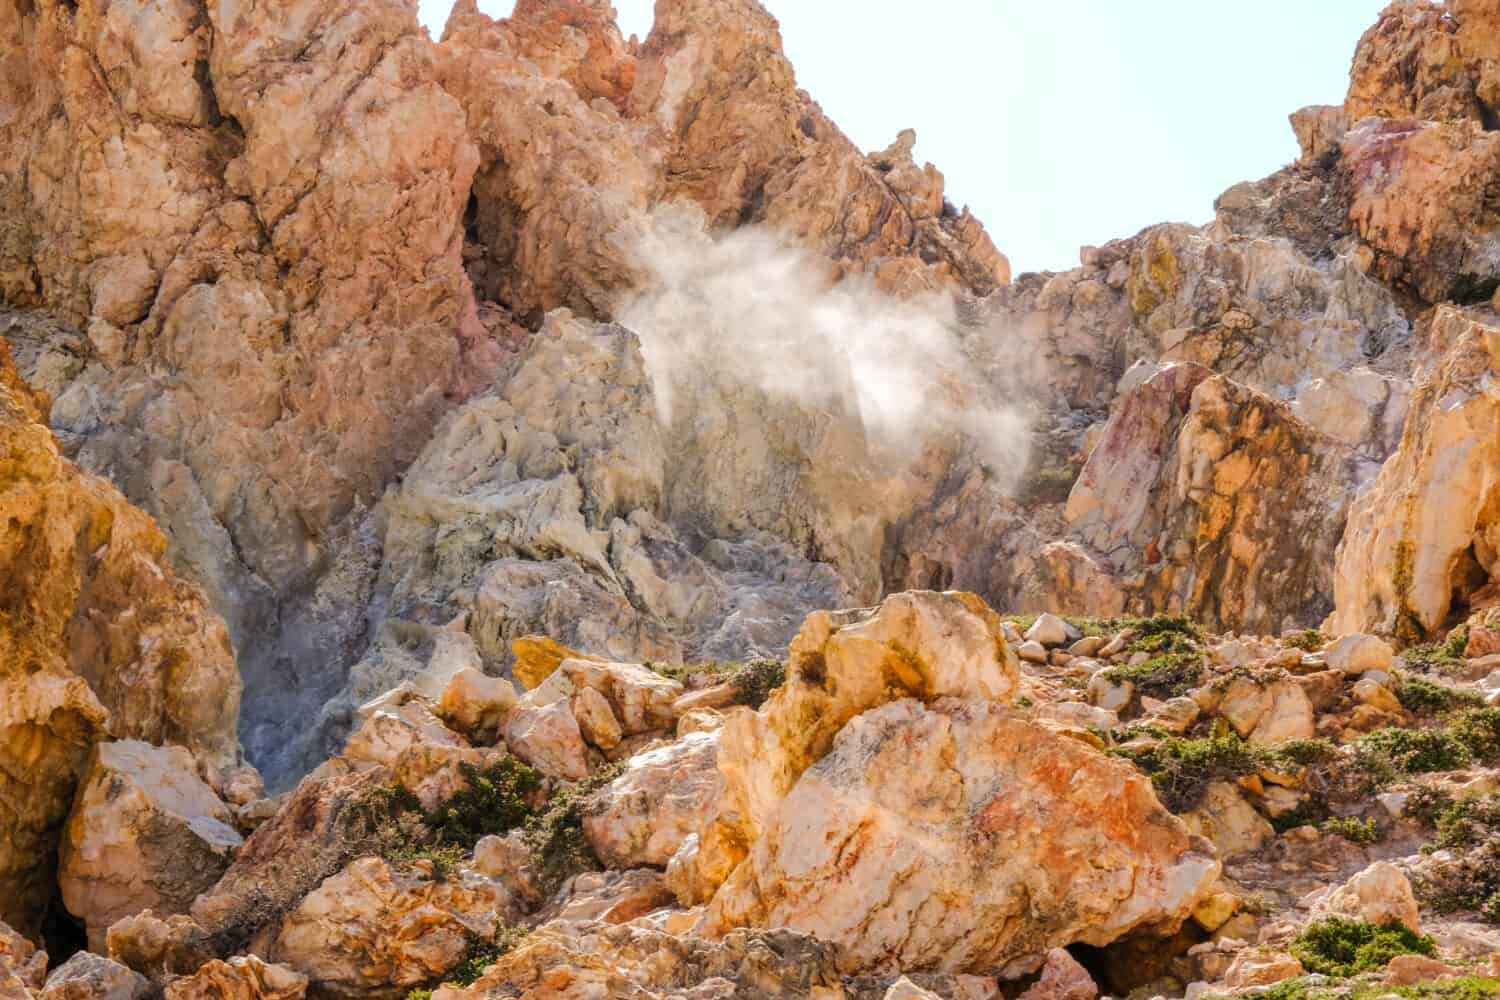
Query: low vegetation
pixel 1339 946
pixel 1466 875
pixel 753 680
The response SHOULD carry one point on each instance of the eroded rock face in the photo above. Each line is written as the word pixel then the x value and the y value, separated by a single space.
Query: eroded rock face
pixel 240 978
pixel 100 639
pixel 1234 522
pixel 949 838
pixel 145 833
pixel 274 299
pixel 664 797
pixel 1421 536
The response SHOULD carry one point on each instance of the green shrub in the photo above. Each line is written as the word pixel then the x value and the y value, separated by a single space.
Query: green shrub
pixel 1458 988
pixel 1308 640
pixel 1423 697
pixel 1425 805
pixel 1467 822
pixel 1338 946
pixel 1357 831
pixel 1478 730
pixel 495 800
pixel 1182 770
pixel 555 835
pixel 1467 875
pixel 1433 658
pixel 482 953
pixel 753 680
pixel 1166 675
pixel 1411 751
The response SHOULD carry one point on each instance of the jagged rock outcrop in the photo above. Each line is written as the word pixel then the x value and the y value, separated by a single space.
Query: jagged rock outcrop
pixel 99 638
pixel 1210 499
pixel 1418 542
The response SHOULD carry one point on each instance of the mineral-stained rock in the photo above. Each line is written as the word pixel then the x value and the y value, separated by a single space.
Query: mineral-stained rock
pixel 955 837
pixel 161 950
pixel 100 639
pixel 145 833
pixel 1411 65
pixel 256 215
pixel 663 797
pixel 1423 534
pixel 87 976
pixel 1422 203
pixel 374 927
pixel 243 977
pixel 1221 501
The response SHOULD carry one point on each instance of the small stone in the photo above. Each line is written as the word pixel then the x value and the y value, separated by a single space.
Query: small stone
pixel 1115 646
pixel 1062 979
pixel 1059 659
pixel 87 976
pixel 1049 630
pixel 1032 652
pixel 1215 910
pixel 1380 894
pixel 905 989
pixel 1376 695
pixel 477 704
pixel 1394 803
pixel 1261 967
pixel 1109 694
pixel 1406 970
pixel 1357 653
pixel 1089 645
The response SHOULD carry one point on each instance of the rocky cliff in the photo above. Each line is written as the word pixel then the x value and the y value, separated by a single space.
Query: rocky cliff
pixel 361 377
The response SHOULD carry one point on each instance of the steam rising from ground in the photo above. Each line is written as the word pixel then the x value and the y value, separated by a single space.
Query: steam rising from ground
pixel 746 308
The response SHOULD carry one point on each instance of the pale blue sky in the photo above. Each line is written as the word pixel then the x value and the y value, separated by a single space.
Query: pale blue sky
pixel 1065 128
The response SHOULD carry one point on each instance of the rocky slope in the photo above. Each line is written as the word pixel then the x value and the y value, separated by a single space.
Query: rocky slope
pixel 507 416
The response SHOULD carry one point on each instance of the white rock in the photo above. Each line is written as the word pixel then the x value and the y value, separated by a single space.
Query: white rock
pixel 1357 653
pixel 1049 630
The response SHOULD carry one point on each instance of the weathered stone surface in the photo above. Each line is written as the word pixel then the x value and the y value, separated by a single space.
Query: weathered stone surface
pixel 87 976
pixel 1380 894
pixel 145 833
pixel 921 644
pixel 1421 204
pixel 243 977
pixel 22 964
pixel 1234 521
pixel 100 639
pixel 1062 978
pixel 374 927
pixel 1422 533
pixel 663 797
pixel 1229 822
pixel 955 838
pixel 603 960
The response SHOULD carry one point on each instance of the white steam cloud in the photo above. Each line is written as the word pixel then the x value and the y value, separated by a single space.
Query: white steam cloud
pixel 746 308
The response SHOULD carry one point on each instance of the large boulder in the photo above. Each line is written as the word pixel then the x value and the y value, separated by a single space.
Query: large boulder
pixel 99 638
pixel 145 833
pixel 663 797
pixel 922 644
pixel 375 927
pixel 956 837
